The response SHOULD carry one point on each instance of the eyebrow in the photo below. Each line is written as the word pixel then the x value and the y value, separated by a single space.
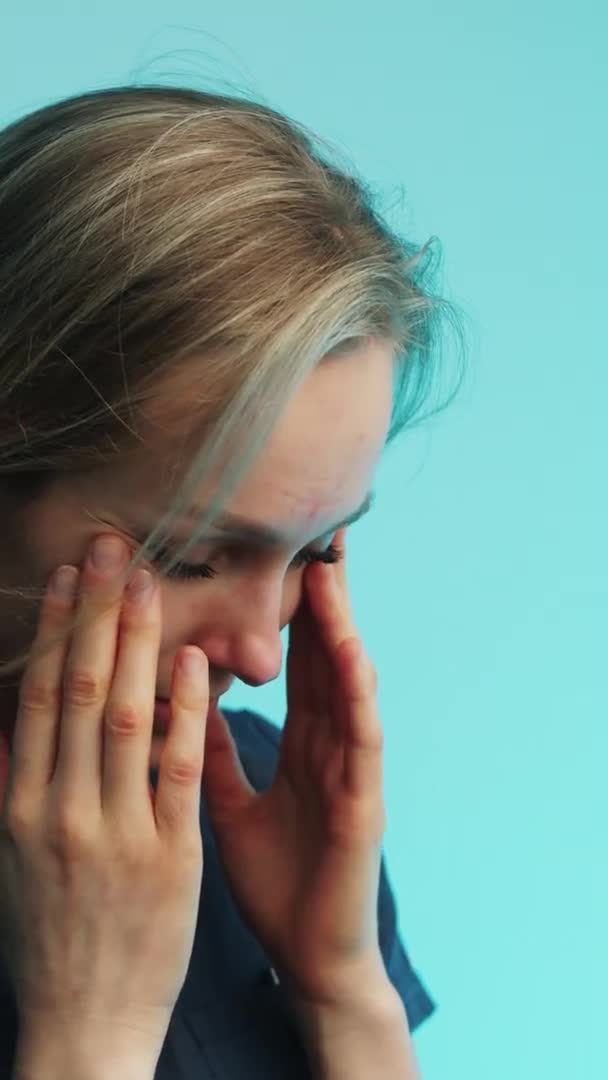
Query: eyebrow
pixel 247 531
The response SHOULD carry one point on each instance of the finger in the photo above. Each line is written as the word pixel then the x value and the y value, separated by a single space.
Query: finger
pixel 336 630
pixel 327 603
pixel 340 570
pixel 364 745
pixel 226 785
pixel 178 790
pixel 303 639
pixel 301 701
pixel 38 713
pixel 89 670
pixel 332 628
pixel 129 709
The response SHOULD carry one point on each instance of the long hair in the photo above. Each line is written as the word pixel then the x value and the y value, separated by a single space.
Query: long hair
pixel 157 236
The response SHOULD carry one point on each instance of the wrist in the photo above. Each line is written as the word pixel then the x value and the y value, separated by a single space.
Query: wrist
pixel 362 988
pixel 354 1025
pixel 367 1035
pixel 57 1053
pixel 95 1066
pixel 375 1006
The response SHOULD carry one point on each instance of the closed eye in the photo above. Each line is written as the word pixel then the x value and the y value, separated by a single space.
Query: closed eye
pixel 196 571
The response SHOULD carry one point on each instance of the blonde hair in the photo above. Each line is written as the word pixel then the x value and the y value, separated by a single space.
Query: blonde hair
pixel 154 233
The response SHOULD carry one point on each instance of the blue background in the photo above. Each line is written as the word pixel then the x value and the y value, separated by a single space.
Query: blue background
pixel 479 581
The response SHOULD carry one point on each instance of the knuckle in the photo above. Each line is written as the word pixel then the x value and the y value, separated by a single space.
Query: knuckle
pixel 18 818
pixel 133 849
pixel 68 834
pixel 187 698
pixel 191 849
pixel 122 718
pixel 371 671
pixel 37 696
pixel 144 620
pixel 183 771
pixel 84 688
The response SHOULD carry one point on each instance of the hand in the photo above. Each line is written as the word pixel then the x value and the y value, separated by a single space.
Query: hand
pixel 100 876
pixel 303 858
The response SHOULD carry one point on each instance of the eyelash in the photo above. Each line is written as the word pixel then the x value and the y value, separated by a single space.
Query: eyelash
pixel 189 572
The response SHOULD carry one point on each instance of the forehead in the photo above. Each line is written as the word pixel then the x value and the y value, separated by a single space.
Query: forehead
pixel 317 465
pixel 257 534
pixel 323 452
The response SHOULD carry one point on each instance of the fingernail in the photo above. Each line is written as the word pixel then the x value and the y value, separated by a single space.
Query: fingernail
pixel 139 590
pixel 109 553
pixel 63 582
pixel 192 662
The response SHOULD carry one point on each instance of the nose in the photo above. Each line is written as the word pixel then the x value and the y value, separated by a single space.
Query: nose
pixel 240 633
pixel 251 657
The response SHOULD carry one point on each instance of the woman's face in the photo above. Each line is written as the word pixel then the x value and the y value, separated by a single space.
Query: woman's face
pixel 314 472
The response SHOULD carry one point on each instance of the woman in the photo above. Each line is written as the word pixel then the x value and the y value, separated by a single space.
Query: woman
pixel 208 337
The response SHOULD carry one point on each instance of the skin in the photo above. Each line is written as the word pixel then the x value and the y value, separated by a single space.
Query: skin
pixel 315 470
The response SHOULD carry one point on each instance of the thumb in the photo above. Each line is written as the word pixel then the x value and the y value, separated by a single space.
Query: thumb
pixel 225 785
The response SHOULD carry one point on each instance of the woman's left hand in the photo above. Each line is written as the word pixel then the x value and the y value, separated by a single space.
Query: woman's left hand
pixel 303 858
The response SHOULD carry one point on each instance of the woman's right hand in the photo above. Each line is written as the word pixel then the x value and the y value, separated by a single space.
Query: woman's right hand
pixel 100 876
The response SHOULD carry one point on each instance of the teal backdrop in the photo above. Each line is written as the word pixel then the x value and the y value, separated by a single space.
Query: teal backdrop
pixel 479 580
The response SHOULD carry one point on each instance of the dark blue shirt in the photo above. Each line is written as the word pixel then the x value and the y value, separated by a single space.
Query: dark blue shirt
pixel 231 1020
